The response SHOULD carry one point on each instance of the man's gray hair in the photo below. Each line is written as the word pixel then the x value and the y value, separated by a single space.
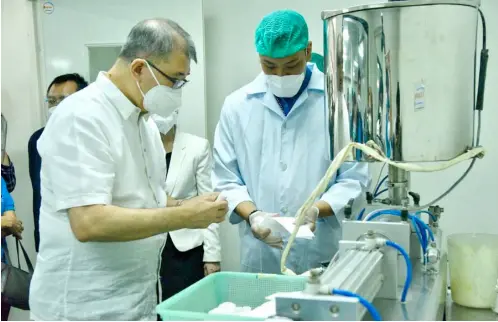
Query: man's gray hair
pixel 156 39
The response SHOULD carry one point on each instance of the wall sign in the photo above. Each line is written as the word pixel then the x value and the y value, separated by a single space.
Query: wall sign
pixel 48 8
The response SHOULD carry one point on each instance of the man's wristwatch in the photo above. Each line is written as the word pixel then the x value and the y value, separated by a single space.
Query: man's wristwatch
pixel 252 212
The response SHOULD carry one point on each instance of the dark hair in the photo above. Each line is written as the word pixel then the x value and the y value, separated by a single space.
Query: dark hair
pixel 74 77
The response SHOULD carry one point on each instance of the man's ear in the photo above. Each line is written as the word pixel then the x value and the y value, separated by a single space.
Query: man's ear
pixel 309 51
pixel 137 67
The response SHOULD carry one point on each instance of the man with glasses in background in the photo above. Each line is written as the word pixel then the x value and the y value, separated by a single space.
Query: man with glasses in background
pixel 60 88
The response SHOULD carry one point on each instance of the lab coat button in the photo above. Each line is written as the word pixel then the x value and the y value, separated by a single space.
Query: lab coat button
pixel 284 210
pixel 283 166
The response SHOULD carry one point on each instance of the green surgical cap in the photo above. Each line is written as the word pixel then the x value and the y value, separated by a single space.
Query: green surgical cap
pixel 281 34
pixel 318 60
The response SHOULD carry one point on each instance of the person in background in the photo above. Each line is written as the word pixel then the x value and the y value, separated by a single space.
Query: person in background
pixel 10 226
pixel 271 149
pixel 8 170
pixel 189 254
pixel 61 87
pixel 105 211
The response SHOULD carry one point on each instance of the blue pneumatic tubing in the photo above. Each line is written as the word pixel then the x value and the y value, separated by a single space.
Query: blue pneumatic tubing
pixel 421 239
pixel 409 268
pixel 380 192
pixel 427 212
pixel 379 185
pixel 424 225
pixel 381 212
pixel 392 212
pixel 369 306
pixel 360 216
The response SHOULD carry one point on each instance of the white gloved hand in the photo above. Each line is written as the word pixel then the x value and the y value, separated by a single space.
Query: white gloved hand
pixel 259 227
pixel 311 217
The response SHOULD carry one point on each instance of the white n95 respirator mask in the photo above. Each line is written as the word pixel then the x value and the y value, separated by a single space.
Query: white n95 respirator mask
pixel 164 124
pixel 51 111
pixel 285 86
pixel 161 100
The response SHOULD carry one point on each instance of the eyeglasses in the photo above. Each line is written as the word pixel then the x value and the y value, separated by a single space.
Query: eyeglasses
pixel 177 83
pixel 54 100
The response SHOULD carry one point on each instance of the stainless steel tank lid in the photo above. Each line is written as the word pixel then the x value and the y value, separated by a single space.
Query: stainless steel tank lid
pixel 409 3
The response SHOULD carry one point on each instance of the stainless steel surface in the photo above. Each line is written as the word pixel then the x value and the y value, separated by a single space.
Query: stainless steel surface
pixel 455 312
pixel 402 74
pixel 425 301
pixel 402 3
pixel 306 307
pixel 398 185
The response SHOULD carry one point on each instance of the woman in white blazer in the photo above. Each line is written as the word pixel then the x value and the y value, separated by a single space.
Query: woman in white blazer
pixel 189 254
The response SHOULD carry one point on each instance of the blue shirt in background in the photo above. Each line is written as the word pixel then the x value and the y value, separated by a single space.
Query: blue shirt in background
pixel 7 204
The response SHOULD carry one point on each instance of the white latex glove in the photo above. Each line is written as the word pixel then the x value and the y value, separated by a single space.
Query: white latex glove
pixel 259 222
pixel 311 217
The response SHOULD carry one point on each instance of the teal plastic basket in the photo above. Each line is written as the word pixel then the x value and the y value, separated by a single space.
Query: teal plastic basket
pixel 242 289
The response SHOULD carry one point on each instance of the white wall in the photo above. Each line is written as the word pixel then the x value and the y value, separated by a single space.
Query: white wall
pixel 101 58
pixel 20 105
pixel 231 61
pixel 73 25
